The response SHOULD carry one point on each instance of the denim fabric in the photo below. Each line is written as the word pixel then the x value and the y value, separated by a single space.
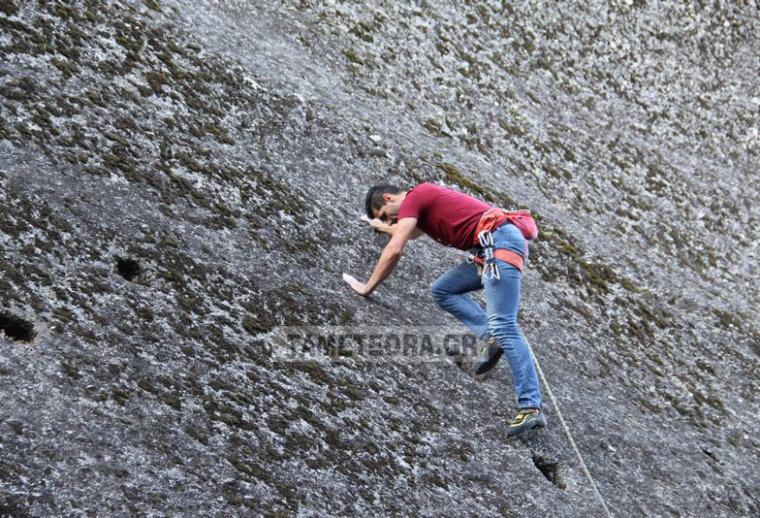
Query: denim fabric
pixel 509 237
pixel 500 316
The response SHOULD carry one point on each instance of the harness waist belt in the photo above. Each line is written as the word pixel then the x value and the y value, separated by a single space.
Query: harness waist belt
pixel 508 256
pixel 490 220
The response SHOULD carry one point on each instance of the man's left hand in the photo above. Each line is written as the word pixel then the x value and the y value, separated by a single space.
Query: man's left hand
pixel 358 287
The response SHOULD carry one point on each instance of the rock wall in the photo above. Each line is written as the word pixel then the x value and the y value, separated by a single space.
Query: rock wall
pixel 180 181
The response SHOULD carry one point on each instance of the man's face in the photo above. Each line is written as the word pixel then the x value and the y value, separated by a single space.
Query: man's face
pixel 388 213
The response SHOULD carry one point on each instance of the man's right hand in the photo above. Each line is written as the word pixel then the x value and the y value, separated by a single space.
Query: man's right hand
pixel 378 225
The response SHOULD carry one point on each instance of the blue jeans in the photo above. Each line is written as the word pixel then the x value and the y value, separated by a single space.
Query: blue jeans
pixel 500 317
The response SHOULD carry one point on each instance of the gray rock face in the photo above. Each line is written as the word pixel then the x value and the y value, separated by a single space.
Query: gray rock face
pixel 180 181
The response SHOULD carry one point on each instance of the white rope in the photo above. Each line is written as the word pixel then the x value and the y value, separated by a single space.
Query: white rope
pixel 567 431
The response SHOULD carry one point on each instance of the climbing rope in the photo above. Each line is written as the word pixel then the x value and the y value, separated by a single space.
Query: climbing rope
pixel 567 431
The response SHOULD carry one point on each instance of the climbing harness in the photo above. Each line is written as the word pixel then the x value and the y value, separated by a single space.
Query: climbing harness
pixel 567 431
pixel 484 253
pixel 475 255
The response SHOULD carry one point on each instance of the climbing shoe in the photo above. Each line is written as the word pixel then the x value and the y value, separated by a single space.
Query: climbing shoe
pixel 488 356
pixel 526 419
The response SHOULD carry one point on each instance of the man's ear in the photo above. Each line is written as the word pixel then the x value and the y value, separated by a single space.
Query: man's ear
pixel 387 197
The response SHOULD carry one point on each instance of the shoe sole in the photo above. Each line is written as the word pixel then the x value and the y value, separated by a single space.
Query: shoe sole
pixel 526 426
pixel 490 363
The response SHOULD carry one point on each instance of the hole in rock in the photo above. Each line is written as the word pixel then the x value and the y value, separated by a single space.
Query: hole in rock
pixel 549 469
pixel 16 328
pixel 128 268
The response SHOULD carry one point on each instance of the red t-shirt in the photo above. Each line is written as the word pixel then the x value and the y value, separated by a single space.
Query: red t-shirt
pixel 448 216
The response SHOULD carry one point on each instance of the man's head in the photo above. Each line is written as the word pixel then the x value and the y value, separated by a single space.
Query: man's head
pixel 383 202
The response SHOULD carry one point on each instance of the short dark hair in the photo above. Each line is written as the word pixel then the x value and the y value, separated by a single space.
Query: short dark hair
pixel 374 200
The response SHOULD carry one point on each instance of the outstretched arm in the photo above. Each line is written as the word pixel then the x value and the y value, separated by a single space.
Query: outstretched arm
pixel 388 259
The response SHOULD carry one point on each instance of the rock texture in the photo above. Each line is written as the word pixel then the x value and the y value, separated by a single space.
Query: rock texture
pixel 179 180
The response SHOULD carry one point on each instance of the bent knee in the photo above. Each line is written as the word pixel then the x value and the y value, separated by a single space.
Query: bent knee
pixel 438 293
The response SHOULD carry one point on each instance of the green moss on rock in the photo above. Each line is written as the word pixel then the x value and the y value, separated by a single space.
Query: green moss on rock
pixel 454 176
pixel 153 4
pixel 8 7
pixel 156 80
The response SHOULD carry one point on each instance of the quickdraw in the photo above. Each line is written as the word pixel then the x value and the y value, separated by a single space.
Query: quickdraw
pixel 489 267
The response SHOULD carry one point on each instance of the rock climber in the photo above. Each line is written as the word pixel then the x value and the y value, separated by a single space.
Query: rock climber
pixel 498 250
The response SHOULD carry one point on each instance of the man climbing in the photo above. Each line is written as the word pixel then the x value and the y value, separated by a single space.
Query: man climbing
pixel 459 220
